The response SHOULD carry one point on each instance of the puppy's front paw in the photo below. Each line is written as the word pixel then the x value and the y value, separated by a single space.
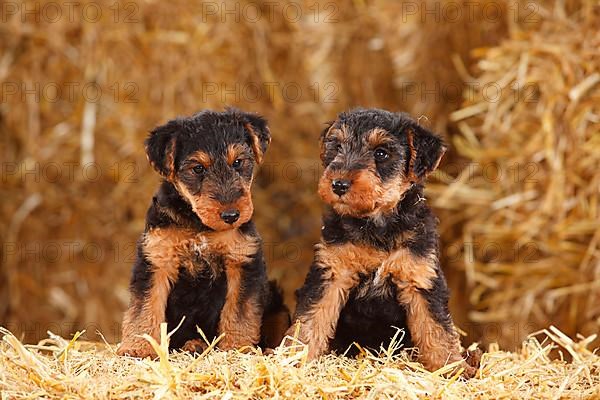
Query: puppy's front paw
pixel 195 346
pixel 469 371
pixel 473 357
pixel 268 351
pixel 472 361
pixel 138 349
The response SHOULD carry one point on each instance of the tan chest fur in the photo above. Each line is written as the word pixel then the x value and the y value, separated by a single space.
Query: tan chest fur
pixel 175 247
pixel 348 260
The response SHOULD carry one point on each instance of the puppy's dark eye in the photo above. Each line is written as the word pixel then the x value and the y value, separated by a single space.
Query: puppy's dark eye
pixel 237 164
pixel 380 154
pixel 199 169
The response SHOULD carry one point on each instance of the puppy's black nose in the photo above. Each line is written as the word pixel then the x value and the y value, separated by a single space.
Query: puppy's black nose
pixel 340 186
pixel 230 216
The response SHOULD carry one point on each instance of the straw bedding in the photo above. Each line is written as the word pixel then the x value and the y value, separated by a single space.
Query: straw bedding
pixel 59 368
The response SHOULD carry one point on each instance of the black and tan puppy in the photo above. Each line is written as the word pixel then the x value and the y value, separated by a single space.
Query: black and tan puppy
pixel 200 256
pixel 376 267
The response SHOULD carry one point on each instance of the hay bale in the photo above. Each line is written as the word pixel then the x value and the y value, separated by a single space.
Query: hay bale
pixel 431 49
pixel 527 201
pixel 405 56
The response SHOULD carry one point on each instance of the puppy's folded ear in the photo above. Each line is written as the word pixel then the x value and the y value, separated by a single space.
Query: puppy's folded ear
pixel 258 134
pixel 426 151
pixel 160 148
pixel 323 137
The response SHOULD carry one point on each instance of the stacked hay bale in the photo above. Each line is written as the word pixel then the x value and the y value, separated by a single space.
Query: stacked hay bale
pixel 407 56
pixel 527 201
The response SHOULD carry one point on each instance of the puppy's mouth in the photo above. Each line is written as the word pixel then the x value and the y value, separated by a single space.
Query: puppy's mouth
pixel 219 216
pixel 361 194
pixel 223 217
pixel 350 194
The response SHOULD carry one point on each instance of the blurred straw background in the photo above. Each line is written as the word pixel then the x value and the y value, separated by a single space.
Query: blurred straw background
pixel 513 87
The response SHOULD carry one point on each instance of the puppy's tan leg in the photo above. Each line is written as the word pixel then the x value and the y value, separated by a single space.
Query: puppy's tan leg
pixel 135 323
pixel 318 319
pixel 438 345
pixel 434 335
pixel 241 317
pixel 144 316
pixel 326 289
